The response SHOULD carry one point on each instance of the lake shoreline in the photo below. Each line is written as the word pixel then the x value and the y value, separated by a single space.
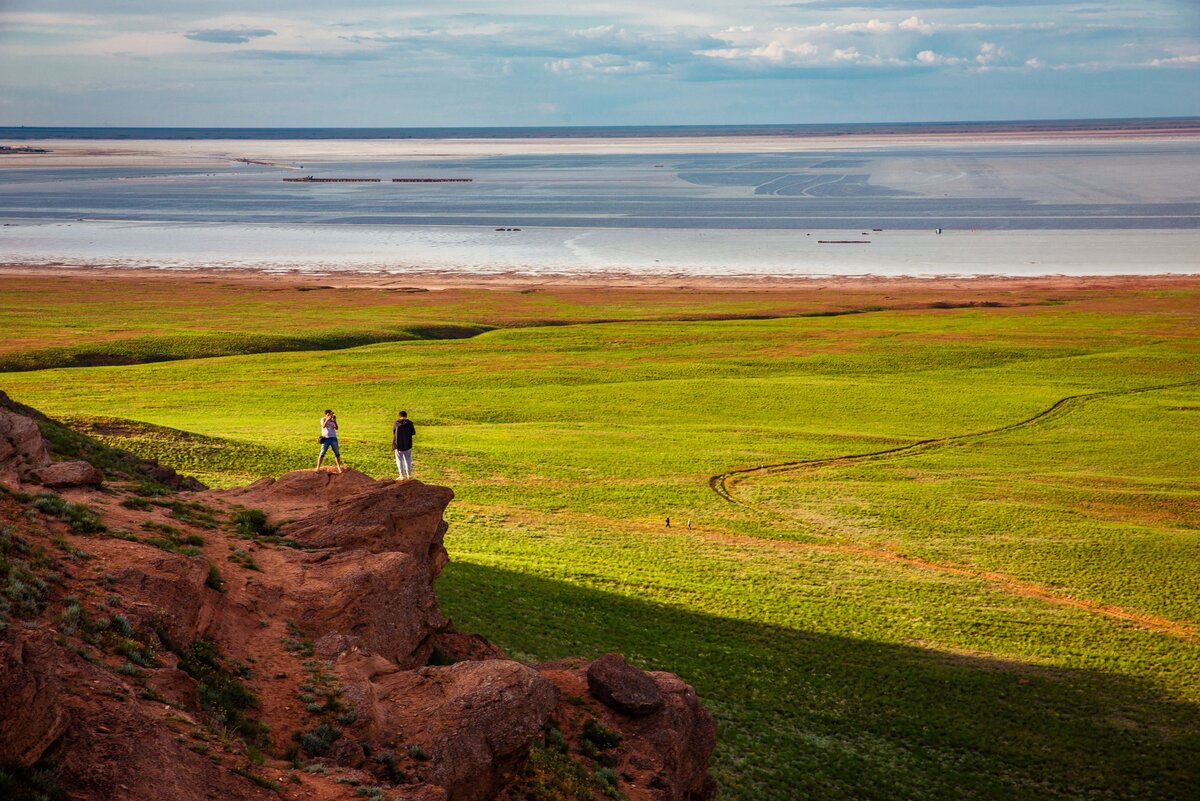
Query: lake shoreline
pixel 433 280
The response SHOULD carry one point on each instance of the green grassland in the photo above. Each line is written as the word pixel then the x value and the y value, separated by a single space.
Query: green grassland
pixel 1013 614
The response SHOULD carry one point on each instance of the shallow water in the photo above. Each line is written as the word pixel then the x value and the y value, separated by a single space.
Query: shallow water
pixel 1091 207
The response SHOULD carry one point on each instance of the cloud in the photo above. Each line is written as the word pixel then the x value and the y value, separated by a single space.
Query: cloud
pixel 603 64
pixel 774 52
pixel 915 23
pixel 1175 61
pixel 319 56
pixel 990 53
pixel 870 26
pixel 228 35
pixel 623 53
pixel 929 58
pixel 908 5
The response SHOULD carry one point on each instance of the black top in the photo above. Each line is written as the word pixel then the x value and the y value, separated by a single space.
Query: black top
pixel 402 433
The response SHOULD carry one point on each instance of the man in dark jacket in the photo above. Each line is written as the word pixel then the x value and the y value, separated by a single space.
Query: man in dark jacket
pixel 403 432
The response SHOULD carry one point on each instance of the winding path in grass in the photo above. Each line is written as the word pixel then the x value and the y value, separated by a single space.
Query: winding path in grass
pixel 723 484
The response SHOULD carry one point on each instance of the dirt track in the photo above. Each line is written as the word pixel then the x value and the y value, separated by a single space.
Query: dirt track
pixel 723 484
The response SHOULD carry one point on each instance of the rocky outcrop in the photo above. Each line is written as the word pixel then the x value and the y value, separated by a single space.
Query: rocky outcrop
pixel 455 646
pixel 379 603
pixel 103 744
pixel 665 752
pixel 298 492
pixel 22 447
pixel 166 593
pixel 27 684
pixel 474 721
pixel 374 551
pixel 327 619
pixel 383 516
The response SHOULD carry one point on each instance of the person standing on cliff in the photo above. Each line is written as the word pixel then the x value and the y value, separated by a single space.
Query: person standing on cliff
pixel 329 439
pixel 403 432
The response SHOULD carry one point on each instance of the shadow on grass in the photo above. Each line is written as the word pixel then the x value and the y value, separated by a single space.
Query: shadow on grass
pixel 163 348
pixel 804 715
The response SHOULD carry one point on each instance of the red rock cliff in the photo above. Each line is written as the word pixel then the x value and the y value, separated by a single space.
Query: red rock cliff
pixel 170 653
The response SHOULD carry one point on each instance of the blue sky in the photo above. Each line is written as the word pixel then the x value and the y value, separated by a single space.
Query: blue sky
pixel 614 62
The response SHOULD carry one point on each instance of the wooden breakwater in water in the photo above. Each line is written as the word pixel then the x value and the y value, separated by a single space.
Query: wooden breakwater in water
pixel 432 180
pixel 308 179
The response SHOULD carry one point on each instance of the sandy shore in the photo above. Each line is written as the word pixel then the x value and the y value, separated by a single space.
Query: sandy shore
pixel 439 280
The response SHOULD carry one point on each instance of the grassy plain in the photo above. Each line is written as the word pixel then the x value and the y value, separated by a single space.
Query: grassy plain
pixel 1004 615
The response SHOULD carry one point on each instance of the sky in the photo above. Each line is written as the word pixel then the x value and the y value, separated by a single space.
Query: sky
pixel 391 63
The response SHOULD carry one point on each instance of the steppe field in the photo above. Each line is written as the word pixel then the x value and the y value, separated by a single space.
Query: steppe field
pixel 944 537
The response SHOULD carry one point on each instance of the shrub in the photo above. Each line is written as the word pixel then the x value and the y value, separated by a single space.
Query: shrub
pixel 317 741
pixel 607 779
pixel 78 516
pixel 241 557
pixel 555 739
pixel 253 523
pixel 30 784
pixel 222 695
pixel 600 735
pixel 213 581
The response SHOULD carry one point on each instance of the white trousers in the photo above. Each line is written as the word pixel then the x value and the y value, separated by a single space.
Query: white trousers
pixel 404 463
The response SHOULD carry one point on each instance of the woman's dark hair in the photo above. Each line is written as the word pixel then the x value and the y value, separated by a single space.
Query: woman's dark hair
pixel 329 411
pixel 404 414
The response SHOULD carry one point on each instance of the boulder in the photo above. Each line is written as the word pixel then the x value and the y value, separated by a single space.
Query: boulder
pixel 68 474
pixel 473 720
pixel 623 687
pixel 22 446
pixel 168 475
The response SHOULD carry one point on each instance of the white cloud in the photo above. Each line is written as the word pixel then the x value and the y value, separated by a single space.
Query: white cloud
pixel 602 64
pixel 990 53
pixel 870 26
pixel 932 59
pixel 774 52
pixel 915 23
pixel 1175 61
